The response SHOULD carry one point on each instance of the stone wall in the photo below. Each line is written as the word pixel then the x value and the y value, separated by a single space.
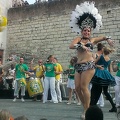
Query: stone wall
pixel 43 29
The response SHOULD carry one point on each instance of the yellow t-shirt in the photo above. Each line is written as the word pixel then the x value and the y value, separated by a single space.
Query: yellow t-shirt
pixel 58 69
pixel 39 70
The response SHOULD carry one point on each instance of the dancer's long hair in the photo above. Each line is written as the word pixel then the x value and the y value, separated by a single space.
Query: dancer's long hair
pixel 107 50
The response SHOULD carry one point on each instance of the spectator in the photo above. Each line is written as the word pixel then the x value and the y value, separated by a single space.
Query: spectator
pixel 36 2
pixel 5 115
pixel 10 58
pixel 26 3
pixel 94 113
pixel 14 56
pixel 21 118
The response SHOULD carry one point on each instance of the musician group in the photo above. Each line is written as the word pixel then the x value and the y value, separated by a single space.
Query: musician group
pixel 36 80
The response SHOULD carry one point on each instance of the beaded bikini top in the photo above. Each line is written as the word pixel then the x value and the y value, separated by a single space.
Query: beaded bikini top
pixel 88 45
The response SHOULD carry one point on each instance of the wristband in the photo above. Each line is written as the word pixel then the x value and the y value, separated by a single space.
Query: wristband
pixel 108 37
pixel 78 46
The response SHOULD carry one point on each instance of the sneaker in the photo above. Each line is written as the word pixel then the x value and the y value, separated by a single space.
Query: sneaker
pixel 113 99
pixel 117 105
pixel 98 103
pixel 68 103
pixel 60 101
pixel 50 101
pixel 114 109
pixel 74 101
pixel 101 105
pixel 14 100
pixel 55 102
pixel 78 103
pixel 22 99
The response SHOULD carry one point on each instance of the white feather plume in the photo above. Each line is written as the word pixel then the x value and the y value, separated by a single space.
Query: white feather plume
pixel 86 7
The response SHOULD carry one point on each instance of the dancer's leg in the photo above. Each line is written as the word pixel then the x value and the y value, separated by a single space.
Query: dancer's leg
pixel 105 89
pixel 95 94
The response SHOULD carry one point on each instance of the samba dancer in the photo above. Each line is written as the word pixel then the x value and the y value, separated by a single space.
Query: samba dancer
pixel 85 18
pixel 103 78
pixel 97 54
pixel 21 70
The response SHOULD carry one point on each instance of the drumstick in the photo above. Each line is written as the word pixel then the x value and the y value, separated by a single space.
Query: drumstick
pixel 32 60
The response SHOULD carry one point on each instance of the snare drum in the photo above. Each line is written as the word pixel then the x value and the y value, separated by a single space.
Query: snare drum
pixel 34 87
pixel 22 82
pixel 9 79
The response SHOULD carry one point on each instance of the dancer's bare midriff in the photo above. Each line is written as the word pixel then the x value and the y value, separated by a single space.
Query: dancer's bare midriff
pixel 85 56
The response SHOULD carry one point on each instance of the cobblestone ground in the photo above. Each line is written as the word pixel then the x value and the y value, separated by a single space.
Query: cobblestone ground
pixel 35 110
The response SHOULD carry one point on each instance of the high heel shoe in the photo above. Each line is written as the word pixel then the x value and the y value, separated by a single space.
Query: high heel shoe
pixel 114 109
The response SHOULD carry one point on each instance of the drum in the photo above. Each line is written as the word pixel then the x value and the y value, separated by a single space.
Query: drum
pixel 34 87
pixel 9 79
pixel 22 82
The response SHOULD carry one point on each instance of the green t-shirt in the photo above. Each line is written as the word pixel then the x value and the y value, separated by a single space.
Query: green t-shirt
pixel 50 72
pixel 118 72
pixel 71 71
pixel 19 69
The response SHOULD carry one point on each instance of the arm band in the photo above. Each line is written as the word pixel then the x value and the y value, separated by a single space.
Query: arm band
pixel 78 46
pixel 108 37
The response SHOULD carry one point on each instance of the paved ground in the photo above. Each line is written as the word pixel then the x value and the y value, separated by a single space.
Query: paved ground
pixel 50 111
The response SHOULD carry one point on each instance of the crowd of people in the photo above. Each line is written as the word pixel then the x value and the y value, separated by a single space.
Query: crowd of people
pixel 6 115
pixel 90 114
pixel 20 3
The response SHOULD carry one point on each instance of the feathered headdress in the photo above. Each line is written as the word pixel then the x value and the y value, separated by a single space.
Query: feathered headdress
pixel 85 15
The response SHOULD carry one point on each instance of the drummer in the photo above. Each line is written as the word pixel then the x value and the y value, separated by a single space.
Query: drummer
pixel 39 72
pixel 21 70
